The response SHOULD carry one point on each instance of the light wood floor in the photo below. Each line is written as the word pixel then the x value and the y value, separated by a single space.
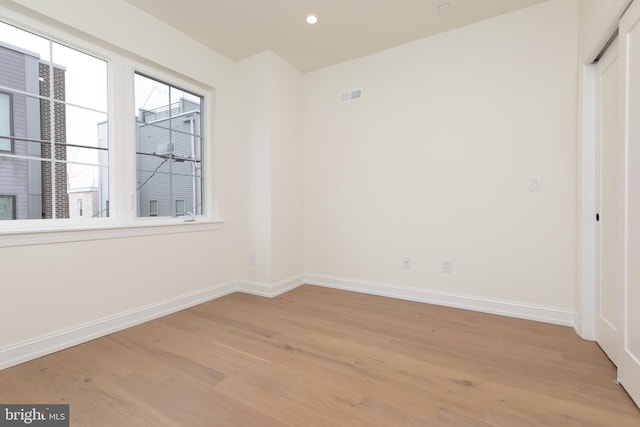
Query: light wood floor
pixel 324 357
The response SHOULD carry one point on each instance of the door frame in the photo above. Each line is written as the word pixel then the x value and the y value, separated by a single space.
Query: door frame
pixel 585 314
pixel 585 317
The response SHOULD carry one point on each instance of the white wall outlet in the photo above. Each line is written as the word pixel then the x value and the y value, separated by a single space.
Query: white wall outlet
pixel 406 263
pixel 446 266
pixel 535 184
pixel 252 259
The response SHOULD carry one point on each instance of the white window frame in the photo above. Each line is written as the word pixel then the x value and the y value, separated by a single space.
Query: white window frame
pixel 208 101
pixel 123 220
pixel 80 212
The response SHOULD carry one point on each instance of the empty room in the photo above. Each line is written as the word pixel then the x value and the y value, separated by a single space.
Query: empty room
pixel 374 213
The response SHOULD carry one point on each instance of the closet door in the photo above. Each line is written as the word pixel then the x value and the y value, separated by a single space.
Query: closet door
pixel 610 197
pixel 629 350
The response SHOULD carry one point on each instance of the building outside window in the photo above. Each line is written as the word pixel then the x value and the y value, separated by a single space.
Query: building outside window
pixel 84 202
pixel 51 98
pixel 169 149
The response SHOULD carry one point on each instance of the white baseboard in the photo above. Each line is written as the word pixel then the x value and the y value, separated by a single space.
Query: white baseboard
pixel 270 291
pixel 31 349
pixel 505 308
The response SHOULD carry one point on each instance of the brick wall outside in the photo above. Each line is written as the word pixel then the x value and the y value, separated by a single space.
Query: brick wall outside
pixel 60 137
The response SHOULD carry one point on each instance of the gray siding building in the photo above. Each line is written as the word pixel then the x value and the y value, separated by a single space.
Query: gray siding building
pixel 168 149
pixel 20 179
pixel 168 181
pixel 25 180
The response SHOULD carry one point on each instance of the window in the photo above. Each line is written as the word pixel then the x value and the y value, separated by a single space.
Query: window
pixel 168 147
pixel 153 207
pixel 6 122
pixel 180 207
pixel 62 98
pixel 52 100
pixel 7 207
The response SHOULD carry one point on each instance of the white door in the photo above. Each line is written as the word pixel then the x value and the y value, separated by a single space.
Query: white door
pixel 629 350
pixel 610 201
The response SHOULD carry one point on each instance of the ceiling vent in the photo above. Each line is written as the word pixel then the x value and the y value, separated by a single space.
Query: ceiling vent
pixel 351 96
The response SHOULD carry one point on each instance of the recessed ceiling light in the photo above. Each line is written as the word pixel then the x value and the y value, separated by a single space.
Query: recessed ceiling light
pixel 444 7
pixel 312 19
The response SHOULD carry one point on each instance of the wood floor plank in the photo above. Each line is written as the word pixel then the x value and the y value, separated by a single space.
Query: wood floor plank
pixel 272 403
pixel 323 357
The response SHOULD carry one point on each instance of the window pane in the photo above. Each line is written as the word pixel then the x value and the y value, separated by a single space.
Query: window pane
pixel 88 156
pixel 169 148
pixel 92 183
pixel 85 78
pixel 21 56
pixel 24 180
pixel 58 123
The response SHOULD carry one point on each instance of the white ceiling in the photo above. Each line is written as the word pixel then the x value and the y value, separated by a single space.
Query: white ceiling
pixel 346 29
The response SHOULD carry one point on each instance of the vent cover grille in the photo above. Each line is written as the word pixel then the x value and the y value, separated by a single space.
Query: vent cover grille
pixel 350 96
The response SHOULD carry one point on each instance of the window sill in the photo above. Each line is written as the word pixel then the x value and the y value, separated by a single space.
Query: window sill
pixel 84 233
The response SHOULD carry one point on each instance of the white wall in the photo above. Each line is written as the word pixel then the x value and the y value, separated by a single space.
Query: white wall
pixel 272 178
pixel 435 162
pixel 287 174
pixel 45 287
pixel 50 288
pixel 255 169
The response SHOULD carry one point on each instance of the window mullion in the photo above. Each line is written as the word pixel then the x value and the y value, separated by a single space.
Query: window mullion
pixel 123 154
pixel 172 149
